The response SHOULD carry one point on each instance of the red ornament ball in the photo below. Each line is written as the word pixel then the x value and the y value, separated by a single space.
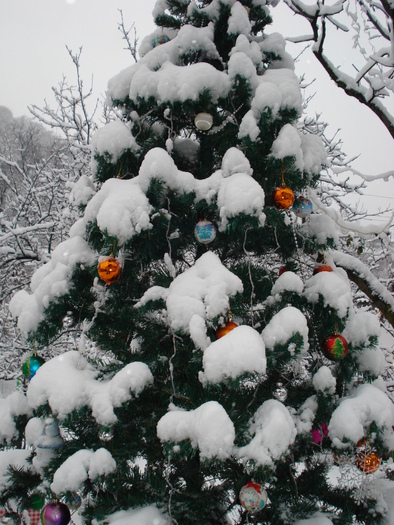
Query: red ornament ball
pixel 56 513
pixel 322 268
pixel 224 330
pixel 335 347
pixel 109 270
pixel 283 197
pixel 282 270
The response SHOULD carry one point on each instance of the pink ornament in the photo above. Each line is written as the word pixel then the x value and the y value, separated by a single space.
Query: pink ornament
pixel 316 435
pixel 324 429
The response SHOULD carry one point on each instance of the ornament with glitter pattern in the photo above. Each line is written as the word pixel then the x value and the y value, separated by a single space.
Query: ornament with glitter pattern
pixel 253 497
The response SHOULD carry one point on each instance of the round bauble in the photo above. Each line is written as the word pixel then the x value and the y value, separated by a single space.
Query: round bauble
pixel 253 497
pixel 335 347
pixel 56 513
pixel 322 268
pixel 106 434
pixel 205 232
pixel 283 197
pixel 224 330
pixel 160 39
pixel 280 392
pixel 31 365
pixel 282 270
pixel 109 270
pixel 203 121
pixel 368 462
pixel 302 207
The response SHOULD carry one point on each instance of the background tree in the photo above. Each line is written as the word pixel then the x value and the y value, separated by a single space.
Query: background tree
pixel 41 163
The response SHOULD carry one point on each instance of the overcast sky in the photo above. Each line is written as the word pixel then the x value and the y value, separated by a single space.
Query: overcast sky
pixel 33 58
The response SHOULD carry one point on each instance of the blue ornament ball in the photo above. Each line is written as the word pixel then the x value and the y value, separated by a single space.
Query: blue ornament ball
pixel 31 365
pixel 160 39
pixel 302 207
pixel 205 232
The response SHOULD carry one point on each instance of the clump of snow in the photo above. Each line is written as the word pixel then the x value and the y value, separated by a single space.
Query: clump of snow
pixel 238 22
pixel 12 457
pixel 372 360
pixel 234 161
pixel 321 227
pixel 351 419
pixel 274 432
pixel 208 427
pixel 276 43
pixel 360 327
pixel 158 165
pixel 287 282
pixel 10 407
pixel 50 281
pixel 283 325
pixel 240 193
pixel 121 209
pixel 202 290
pixel 305 415
pixel 33 430
pixel 308 150
pixel 83 465
pixel 278 89
pixel 141 516
pixel 113 139
pixel 250 49
pixel 68 382
pixel 323 380
pixel 82 191
pixel 241 350
pixel 173 83
pixel 333 288
pixel 318 520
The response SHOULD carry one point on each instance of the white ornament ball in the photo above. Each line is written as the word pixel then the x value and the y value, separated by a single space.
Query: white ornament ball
pixel 205 232
pixel 203 121
pixel 253 497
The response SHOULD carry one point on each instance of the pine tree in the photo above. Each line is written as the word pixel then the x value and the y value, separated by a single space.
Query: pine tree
pixel 219 353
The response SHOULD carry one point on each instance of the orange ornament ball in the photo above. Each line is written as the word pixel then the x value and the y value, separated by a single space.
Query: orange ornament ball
pixel 283 197
pixel 224 330
pixel 109 270
pixel 368 463
pixel 322 268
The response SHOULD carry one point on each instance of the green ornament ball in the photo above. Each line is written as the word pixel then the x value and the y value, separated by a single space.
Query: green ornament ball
pixel 36 501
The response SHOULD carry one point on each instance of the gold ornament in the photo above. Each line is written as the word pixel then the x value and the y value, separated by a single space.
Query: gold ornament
pixel 368 462
pixel 283 197
pixel 109 270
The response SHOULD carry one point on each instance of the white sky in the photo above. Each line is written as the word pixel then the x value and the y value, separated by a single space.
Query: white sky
pixel 33 58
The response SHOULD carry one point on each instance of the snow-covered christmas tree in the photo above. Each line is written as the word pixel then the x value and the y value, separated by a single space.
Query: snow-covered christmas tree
pixel 220 373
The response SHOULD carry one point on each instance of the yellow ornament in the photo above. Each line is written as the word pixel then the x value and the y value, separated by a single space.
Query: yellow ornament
pixel 283 197
pixel 109 270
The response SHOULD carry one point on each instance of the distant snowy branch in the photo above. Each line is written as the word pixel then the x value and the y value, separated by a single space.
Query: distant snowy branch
pixel 358 227
pixel 374 80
